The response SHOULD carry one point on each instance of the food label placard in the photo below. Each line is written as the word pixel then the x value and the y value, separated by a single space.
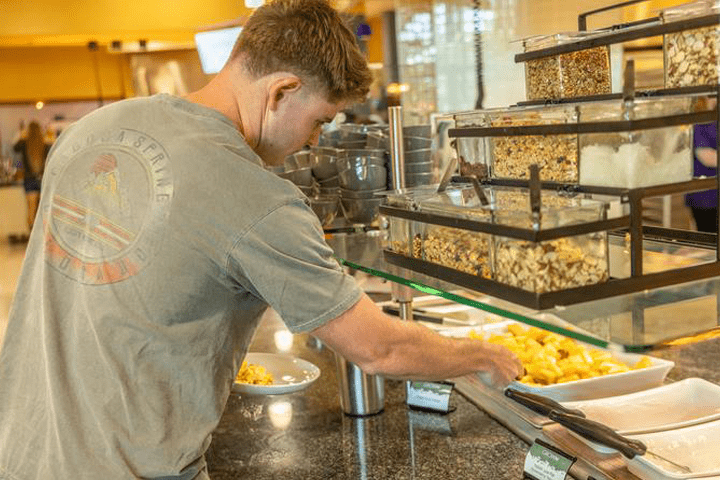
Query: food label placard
pixel 544 462
pixel 429 395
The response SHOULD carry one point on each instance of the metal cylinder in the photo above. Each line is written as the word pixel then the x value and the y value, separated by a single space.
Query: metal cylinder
pixel 403 295
pixel 397 147
pixel 360 394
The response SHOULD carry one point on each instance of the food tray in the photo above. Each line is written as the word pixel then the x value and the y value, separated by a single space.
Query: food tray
pixel 675 405
pixel 589 388
pixel 695 447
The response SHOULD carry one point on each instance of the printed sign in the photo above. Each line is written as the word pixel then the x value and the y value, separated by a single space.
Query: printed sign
pixel 546 463
pixel 429 395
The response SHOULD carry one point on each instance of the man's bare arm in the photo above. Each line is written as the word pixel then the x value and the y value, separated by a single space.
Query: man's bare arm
pixel 380 344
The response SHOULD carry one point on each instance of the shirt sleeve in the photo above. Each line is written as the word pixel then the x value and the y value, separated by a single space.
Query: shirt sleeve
pixel 284 260
pixel 705 136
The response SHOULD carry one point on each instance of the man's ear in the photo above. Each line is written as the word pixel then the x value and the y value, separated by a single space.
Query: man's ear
pixel 281 88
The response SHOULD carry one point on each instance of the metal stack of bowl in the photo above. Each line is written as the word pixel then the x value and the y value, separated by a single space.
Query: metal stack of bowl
pixel 325 207
pixel 323 161
pixel 362 175
pixel 419 167
pixel 352 137
pixel 315 174
pixel 325 203
pixel 298 170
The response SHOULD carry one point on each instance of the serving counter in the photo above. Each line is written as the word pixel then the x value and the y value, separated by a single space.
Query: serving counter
pixel 633 322
pixel 305 435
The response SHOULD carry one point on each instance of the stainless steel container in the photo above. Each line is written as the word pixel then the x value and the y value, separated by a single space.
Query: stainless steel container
pixel 360 394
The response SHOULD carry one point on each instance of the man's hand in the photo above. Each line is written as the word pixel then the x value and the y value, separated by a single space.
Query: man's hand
pixel 504 367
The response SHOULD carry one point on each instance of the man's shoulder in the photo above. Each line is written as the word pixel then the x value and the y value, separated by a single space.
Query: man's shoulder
pixel 163 116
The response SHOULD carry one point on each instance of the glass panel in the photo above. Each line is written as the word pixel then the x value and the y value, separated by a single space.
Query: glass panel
pixel 634 322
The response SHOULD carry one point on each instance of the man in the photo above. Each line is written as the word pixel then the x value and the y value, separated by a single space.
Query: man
pixel 163 240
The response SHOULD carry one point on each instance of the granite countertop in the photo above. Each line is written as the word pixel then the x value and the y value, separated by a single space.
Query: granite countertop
pixel 305 435
pixel 697 360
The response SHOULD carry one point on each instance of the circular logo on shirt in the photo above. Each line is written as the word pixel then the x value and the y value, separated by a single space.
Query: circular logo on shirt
pixel 108 196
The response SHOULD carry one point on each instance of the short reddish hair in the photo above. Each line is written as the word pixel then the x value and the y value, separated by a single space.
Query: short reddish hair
pixel 307 38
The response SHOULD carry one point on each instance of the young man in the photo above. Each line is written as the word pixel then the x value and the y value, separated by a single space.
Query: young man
pixel 162 241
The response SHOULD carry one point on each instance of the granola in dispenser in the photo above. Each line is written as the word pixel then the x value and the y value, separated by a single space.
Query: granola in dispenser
pixel 556 155
pixel 459 249
pixel 575 74
pixel 547 266
pixel 691 57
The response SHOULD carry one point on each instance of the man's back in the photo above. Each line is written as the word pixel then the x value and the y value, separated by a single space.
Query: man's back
pixel 122 341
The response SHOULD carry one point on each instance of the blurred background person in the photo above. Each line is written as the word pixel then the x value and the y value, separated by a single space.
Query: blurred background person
pixel 34 150
pixel 704 204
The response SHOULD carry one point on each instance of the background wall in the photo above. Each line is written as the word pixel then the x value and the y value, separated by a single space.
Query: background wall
pixel 507 22
pixel 79 21
pixel 12 115
pixel 62 73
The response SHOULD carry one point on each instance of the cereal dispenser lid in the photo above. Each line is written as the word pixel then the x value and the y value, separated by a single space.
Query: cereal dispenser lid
pixel 539 42
pixel 697 8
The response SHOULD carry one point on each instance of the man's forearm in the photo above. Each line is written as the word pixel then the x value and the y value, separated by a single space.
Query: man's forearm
pixel 416 352
pixel 381 344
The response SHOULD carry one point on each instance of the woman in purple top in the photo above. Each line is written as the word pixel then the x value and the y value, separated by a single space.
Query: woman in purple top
pixel 704 204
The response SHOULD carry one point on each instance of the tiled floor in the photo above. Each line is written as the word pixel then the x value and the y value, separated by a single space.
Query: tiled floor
pixel 11 257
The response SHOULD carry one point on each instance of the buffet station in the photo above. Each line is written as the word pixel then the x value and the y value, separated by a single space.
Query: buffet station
pixel 537 217
pixel 530 218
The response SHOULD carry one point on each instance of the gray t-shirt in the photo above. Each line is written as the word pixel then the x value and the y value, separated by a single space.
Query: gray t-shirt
pixel 160 242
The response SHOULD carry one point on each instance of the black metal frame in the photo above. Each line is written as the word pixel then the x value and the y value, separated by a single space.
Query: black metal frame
pixel 613 287
pixel 634 197
pixel 506 230
pixel 542 301
pixel 582 18
pixel 621 36
pixel 577 128
pixel 710 90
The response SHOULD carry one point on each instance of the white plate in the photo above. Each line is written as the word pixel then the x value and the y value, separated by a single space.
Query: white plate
pixel 675 405
pixel 290 374
pixel 696 447
pixel 588 388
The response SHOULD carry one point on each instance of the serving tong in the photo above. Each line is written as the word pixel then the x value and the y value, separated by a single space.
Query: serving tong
pixel 575 421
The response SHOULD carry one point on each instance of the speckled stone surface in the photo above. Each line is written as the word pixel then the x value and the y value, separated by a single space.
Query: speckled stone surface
pixel 699 360
pixel 306 436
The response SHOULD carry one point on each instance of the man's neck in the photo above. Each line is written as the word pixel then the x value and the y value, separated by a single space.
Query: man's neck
pixel 233 95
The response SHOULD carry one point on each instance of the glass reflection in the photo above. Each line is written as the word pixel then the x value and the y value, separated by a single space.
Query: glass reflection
pixel 280 414
pixel 284 340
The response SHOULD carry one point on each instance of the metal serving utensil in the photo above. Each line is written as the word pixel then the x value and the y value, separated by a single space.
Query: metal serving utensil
pixel 597 432
pixel 447 174
pixel 540 404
